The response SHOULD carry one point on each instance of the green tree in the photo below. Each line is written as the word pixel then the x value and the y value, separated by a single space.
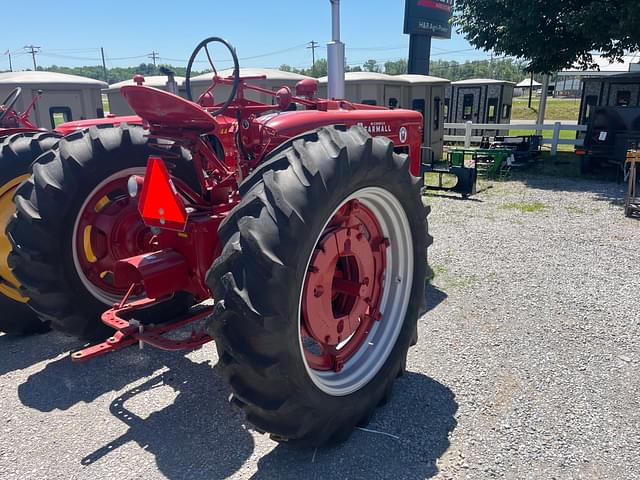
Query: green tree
pixel 398 67
pixel 117 74
pixel 371 66
pixel 319 69
pixel 551 35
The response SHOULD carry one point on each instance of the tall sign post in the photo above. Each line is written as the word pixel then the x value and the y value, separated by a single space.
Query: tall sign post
pixel 424 20
pixel 335 55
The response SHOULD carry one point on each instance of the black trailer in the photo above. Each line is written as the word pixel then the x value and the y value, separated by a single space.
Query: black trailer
pixel 611 132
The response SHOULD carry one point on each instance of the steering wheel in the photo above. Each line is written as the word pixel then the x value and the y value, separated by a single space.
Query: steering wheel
pixel 9 102
pixel 236 70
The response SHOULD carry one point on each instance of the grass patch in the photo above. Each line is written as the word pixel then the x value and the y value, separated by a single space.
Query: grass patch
pixel 575 210
pixel 447 279
pixel 439 269
pixel 461 281
pixel 432 179
pixel 105 104
pixel 557 109
pixel 525 207
pixel 564 135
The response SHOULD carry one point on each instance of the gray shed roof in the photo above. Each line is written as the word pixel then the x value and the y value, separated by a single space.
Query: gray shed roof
pixel 40 79
pixel 366 77
pixel 421 79
pixel 157 81
pixel 624 77
pixel 481 81
pixel 270 73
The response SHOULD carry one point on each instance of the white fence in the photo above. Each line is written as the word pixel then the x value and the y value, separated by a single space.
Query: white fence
pixel 468 138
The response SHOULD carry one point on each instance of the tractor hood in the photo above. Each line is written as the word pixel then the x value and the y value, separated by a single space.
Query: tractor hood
pixel 401 126
pixel 70 127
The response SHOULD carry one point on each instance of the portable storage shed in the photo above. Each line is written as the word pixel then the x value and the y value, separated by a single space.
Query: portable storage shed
pixel 370 88
pixel 119 106
pixel 273 81
pixel 64 97
pixel 621 90
pixel 421 93
pixel 480 100
pixel 426 95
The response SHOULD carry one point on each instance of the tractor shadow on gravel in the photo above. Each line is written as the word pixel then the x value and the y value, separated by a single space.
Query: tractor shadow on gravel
pixel 180 436
pixel 18 352
pixel 420 413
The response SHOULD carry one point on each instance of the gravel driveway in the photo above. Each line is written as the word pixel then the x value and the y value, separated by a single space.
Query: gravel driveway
pixel 527 367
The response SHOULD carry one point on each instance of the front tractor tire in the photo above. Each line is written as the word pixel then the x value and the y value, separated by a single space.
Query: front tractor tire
pixel 75 219
pixel 17 153
pixel 320 285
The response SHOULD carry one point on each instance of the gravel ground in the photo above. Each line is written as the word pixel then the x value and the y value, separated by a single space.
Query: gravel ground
pixel 527 367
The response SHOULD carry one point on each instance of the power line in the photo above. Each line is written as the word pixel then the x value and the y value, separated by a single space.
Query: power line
pixel 32 49
pixel 313 45
pixel 154 56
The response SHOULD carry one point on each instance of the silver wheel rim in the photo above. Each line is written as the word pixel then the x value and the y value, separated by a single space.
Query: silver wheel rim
pixel 360 369
pixel 97 293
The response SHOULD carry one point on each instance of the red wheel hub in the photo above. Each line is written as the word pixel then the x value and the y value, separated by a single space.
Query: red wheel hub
pixel 343 287
pixel 109 229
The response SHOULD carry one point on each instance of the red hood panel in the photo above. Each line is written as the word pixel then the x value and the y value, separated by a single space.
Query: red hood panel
pixel 377 122
pixel 70 127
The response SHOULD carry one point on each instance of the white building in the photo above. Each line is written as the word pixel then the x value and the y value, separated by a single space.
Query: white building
pixel 569 82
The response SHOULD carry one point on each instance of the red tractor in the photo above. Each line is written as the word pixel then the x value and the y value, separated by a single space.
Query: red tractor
pixel 309 234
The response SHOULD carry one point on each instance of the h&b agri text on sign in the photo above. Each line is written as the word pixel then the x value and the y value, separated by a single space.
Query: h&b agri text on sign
pixel 428 17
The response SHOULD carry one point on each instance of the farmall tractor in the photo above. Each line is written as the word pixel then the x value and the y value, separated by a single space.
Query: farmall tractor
pixel 308 233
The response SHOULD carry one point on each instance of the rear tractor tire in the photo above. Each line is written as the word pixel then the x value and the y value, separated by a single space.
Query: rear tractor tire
pixel 75 219
pixel 320 285
pixel 17 153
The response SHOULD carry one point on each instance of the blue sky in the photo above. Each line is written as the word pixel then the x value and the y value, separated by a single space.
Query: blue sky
pixel 71 32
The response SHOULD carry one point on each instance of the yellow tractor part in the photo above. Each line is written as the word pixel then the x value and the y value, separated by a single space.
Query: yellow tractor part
pixel 8 283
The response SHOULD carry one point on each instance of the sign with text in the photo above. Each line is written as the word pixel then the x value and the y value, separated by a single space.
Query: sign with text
pixel 428 17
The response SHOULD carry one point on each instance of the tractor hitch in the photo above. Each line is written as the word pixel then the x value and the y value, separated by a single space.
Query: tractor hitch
pixel 130 332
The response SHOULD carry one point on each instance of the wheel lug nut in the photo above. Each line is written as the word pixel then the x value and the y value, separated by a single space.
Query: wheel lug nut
pixel 340 327
pixel 318 291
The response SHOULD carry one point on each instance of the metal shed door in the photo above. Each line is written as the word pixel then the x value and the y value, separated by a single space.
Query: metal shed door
pixel 392 96
pixel 57 106
pixel 472 95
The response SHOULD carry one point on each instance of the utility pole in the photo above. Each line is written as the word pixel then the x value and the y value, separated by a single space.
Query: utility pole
pixel 543 101
pixel 313 45
pixel 104 65
pixel 154 55
pixel 8 52
pixel 32 49
pixel 530 89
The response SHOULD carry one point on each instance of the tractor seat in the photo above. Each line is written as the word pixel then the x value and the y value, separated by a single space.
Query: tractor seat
pixel 165 109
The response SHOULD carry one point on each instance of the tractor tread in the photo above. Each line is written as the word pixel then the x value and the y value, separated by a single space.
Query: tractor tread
pixel 17 153
pixel 263 237
pixel 47 206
